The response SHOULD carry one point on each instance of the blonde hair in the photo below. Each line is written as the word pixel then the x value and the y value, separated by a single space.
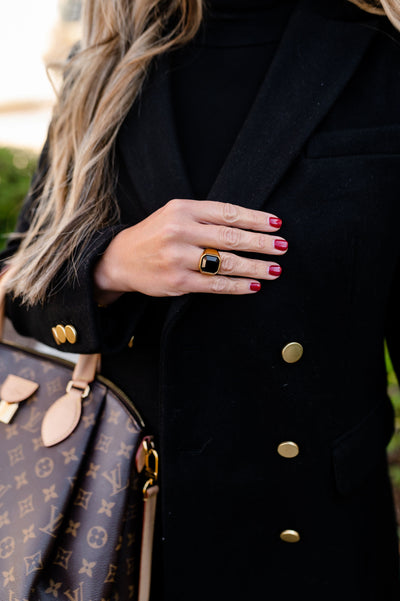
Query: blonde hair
pixel 101 81
pixel 389 7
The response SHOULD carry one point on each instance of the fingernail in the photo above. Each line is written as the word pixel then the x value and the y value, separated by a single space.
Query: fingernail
pixel 275 221
pixel 275 270
pixel 281 244
pixel 255 286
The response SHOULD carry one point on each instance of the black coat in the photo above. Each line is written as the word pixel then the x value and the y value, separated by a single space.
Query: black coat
pixel 320 149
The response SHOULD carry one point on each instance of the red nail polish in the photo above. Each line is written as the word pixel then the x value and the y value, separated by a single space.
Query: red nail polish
pixel 275 270
pixel 255 286
pixel 275 221
pixel 281 244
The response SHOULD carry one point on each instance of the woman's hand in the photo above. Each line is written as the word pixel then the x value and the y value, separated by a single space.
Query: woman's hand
pixel 160 255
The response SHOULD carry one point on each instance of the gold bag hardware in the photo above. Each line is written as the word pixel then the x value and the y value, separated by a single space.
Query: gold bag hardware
pixel 13 391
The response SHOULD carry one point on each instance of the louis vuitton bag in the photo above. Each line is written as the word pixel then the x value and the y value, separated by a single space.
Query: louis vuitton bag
pixel 77 483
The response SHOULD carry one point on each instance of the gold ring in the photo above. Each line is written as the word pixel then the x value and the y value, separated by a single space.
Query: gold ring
pixel 210 261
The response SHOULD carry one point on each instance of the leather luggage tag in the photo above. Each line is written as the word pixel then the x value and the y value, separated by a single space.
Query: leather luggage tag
pixel 62 417
pixel 14 391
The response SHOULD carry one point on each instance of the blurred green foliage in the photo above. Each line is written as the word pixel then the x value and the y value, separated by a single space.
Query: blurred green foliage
pixel 393 386
pixel 16 170
pixel 394 393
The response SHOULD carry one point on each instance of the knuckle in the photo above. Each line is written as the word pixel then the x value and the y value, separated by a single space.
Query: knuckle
pixel 230 236
pixel 171 257
pixel 179 206
pixel 218 285
pixel 176 204
pixel 261 241
pixel 230 212
pixel 235 286
pixel 178 280
pixel 262 270
pixel 172 231
pixel 228 263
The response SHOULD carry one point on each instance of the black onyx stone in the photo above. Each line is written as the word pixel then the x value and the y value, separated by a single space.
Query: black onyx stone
pixel 210 264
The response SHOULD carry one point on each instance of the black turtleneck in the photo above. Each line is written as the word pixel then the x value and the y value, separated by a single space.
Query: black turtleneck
pixel 216 77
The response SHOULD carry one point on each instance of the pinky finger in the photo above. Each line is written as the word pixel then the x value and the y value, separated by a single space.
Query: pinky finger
pixel 219 284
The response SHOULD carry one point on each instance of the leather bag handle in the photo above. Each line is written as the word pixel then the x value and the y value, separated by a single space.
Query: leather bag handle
pixel 56 427
pixel 63 416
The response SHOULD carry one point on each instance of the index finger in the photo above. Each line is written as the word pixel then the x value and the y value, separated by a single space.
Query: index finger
pixel 224 213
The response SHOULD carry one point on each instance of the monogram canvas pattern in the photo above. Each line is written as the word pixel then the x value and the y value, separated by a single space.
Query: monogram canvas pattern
pixel 69 527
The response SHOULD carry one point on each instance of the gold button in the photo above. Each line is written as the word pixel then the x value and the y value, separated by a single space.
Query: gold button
pixel 60 331
pixel 290 536
pixel 55 335
pixel 288 449
pixel 70 334
pixel 292 352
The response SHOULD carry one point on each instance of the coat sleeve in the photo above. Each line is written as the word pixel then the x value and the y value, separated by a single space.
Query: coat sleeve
pixel 98 329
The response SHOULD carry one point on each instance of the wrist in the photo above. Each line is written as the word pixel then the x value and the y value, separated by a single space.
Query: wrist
pixel 105 289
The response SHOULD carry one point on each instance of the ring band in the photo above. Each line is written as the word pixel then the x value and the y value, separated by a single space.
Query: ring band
pixel 210 261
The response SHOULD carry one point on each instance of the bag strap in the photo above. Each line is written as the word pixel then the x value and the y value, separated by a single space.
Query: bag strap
pixel 84 373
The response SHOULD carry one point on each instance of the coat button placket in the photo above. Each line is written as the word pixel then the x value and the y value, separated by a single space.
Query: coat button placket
pixel 291 353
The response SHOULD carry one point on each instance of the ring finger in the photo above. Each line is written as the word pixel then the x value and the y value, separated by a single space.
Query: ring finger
pixel 234 265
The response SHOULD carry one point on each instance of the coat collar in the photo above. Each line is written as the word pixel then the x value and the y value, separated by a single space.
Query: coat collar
pixel 315 59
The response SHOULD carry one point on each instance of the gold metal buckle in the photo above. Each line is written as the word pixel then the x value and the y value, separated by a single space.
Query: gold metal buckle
pixel 7 411
pixel 150 466
pixel 85 392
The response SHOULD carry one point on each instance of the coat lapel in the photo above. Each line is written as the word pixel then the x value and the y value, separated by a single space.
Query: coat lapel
pixel 315 59
pixel 149 145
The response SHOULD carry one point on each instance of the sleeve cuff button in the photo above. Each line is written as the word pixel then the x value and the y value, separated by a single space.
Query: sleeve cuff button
pixel 63 334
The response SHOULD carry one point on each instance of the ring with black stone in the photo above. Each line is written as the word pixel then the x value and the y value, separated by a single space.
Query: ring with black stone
pixel 210 261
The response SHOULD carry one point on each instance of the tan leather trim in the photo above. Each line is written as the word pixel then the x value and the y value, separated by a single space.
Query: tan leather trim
pixel 149 517
pixel 140 458
pixel 16 389
pixel 86 367
pixel 61 418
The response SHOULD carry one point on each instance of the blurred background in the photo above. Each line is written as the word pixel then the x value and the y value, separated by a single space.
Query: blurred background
pixel 33 34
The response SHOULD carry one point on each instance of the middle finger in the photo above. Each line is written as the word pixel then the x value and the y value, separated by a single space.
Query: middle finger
pixel 231 238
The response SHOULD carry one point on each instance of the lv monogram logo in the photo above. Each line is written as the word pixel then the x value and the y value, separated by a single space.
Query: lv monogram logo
pixel 114 478
pixel 57 532
pixel 54 523
pixel 4 488
pixel 34 422
pixel 76 595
